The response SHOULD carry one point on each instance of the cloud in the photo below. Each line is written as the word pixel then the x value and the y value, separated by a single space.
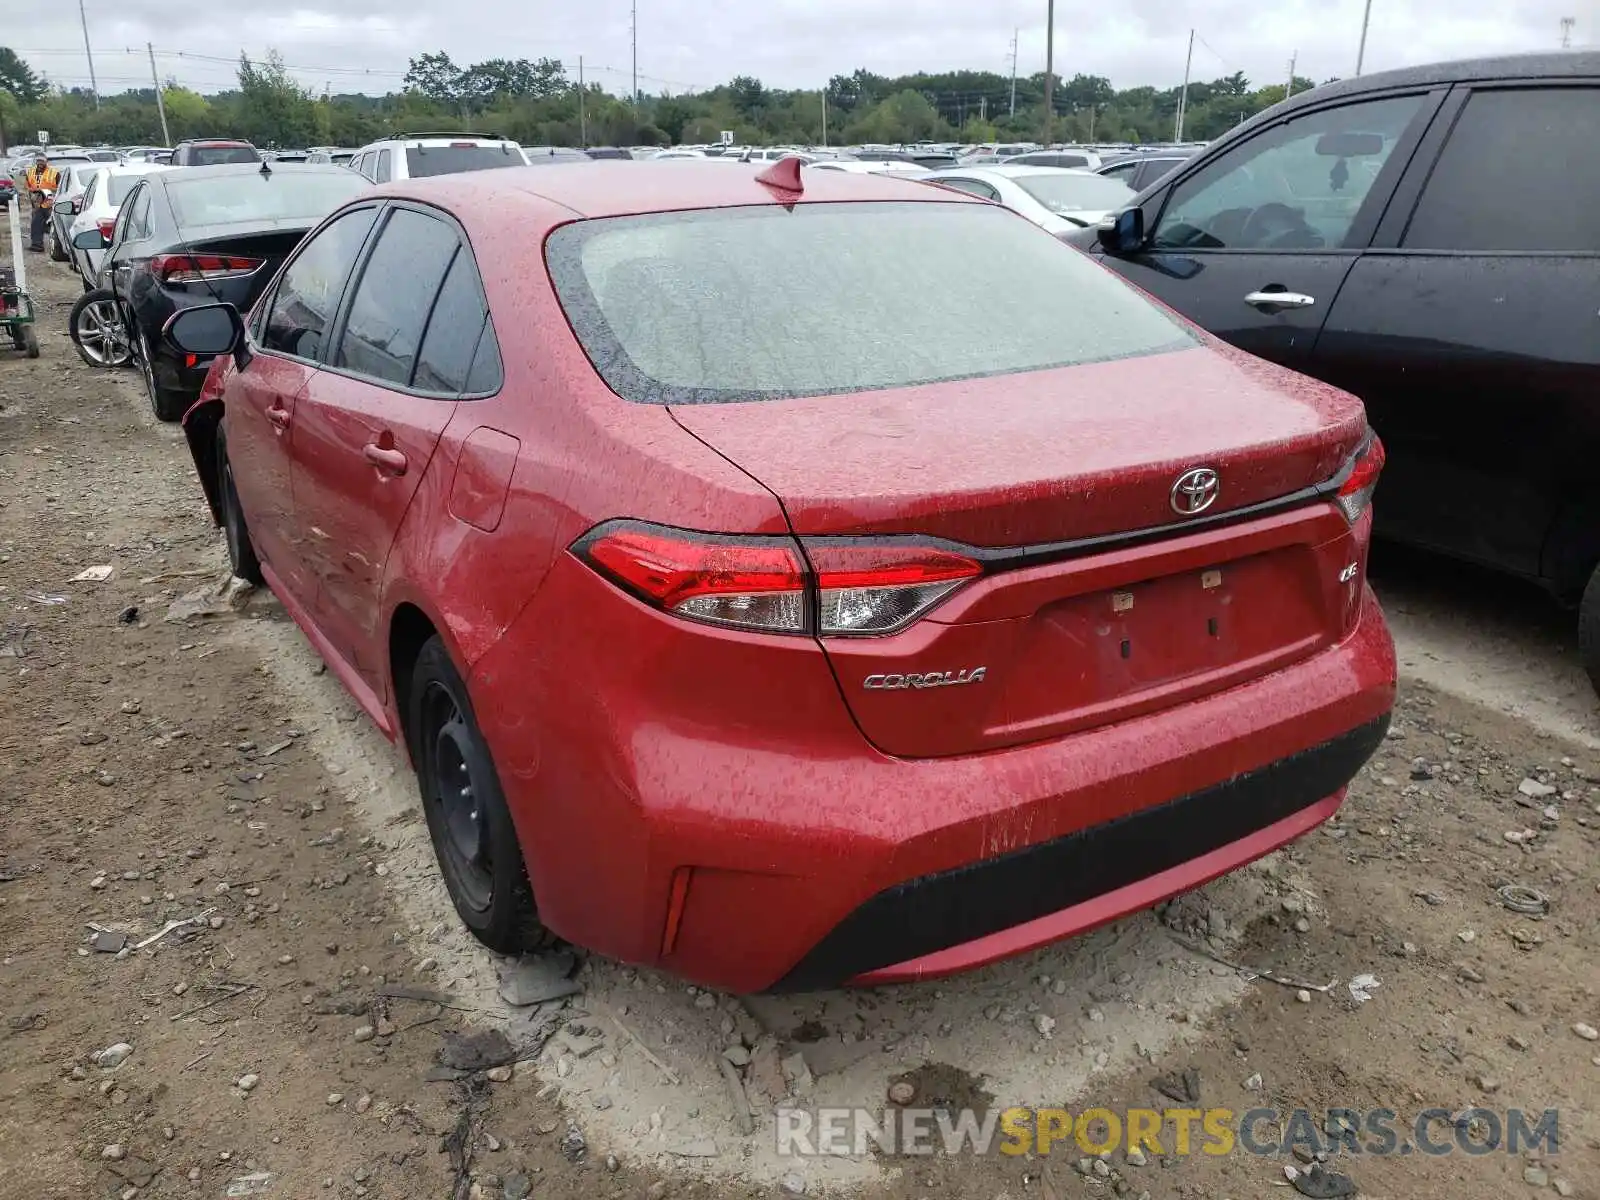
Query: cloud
pixel 363 45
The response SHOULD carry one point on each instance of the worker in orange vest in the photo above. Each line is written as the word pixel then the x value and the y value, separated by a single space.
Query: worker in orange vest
pixel 40 180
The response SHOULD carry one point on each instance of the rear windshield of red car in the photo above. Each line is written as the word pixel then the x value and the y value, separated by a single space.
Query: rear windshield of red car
pixel 452 160
pixel 216 156
pixel 766 303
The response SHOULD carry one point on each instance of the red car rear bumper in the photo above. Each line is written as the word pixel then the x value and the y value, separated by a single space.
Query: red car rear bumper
pixel 702 801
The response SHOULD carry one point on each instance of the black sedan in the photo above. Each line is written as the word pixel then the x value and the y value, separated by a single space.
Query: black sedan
pixel 1427 239
pixel 203 235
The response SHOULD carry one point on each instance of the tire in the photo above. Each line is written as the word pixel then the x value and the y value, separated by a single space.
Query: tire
pixel 58 252
pixel 97 330
pixel 473 837
pixel 241 551
pixel 166 405
pixel 1589 629
pixel 30 342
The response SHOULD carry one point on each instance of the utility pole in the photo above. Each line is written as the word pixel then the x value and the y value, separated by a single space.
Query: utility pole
pixel 1049 68
pixel 89 54
pixel 166 136
pixel 583 122
pixel 1183 96
pixel 983 109
pixel 824 116
pixel 1293 58
pixel 1566 32
pixel 1015 35
pixel 633 28
pixel 1361 53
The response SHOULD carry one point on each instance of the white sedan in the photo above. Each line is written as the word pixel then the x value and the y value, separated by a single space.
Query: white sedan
pixel 870 166
pixel 1060 199
pixel 98 207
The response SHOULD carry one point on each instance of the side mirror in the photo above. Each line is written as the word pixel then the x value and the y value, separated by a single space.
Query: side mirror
pixel 205 330
pixel 89 239
pixel 70 207
pixel 1123 232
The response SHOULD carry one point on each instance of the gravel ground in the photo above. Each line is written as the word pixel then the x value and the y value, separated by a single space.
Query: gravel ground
pixel 289 1043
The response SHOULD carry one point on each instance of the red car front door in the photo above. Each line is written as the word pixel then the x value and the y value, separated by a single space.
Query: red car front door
pixel 263 396
pixel 364 435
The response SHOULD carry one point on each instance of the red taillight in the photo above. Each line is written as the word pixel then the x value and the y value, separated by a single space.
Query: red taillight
pixel 838 587
pixel 192 268
pixel 1355 493
pixel 757 583
pixel 107 227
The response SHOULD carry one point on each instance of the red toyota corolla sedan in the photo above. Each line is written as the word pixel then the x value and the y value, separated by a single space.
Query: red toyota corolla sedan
pixel 793 586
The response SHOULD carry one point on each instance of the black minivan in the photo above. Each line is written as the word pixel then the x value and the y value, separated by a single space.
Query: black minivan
pixel 1428 239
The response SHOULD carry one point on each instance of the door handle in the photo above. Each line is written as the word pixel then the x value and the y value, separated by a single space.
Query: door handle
pixel 1279 299
pixel 386 459
pixel 280 417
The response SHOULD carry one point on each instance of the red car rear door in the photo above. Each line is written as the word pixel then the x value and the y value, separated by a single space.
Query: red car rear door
pixel 287 337
pixel 366 429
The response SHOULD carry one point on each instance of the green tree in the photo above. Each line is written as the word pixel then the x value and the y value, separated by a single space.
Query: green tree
pixel 436 77
pixel 188 113
pixel 273 110
pixel 19 79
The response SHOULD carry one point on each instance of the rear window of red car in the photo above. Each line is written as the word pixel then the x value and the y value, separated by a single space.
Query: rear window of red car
pixel 767 303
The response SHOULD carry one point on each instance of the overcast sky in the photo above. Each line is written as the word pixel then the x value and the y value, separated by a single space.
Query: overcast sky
pixel 363 45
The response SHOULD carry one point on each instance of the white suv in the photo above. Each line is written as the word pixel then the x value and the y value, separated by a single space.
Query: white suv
pixel 415 155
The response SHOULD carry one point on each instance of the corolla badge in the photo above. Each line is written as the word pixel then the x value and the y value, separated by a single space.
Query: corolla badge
pixel 929 679
pixel 1195 491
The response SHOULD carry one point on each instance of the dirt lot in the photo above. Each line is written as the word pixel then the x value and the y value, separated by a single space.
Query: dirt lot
pixel 289 1043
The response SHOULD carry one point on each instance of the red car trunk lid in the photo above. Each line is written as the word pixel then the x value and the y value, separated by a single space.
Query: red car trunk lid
pixel 1088 635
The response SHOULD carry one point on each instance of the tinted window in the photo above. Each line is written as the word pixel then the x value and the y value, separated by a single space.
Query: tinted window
pixel 1512 178
pixel 308 294
pixel 392 300
pixel 422 161
pixel 485 375
pixel 139 222
pixel 282 195
pixel 1298 186
pixel 120 229
pixel 89 192
pixel 1156 168
pixel 383 172
pixel 215 156
pixel 453 330
pixel 758 303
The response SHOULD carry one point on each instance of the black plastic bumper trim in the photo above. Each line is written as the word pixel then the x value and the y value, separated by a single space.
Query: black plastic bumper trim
pixel 932 913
